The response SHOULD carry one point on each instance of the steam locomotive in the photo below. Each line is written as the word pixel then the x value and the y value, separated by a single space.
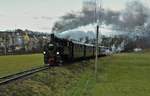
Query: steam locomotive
pixel 59 50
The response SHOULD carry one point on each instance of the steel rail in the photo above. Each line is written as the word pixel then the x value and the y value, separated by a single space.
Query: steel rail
pixel 7 79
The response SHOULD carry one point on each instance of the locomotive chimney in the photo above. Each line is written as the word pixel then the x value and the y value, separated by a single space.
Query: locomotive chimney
pixel 52 37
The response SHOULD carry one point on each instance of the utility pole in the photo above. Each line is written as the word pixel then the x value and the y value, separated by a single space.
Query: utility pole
pixel 96 51
pixel 97 34
pixel 96 42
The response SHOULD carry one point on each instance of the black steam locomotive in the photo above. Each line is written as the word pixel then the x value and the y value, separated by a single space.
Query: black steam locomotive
pixel 60 50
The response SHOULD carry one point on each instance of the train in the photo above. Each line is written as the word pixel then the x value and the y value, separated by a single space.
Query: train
pixel 59 50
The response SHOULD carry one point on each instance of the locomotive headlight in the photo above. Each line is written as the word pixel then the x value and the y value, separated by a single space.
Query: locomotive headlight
pixel 44 52
pixel 57 53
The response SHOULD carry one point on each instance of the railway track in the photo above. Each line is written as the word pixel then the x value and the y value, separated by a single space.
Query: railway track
pixel 7 79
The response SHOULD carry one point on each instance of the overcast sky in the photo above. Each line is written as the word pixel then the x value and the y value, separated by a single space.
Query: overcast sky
pixel 39 15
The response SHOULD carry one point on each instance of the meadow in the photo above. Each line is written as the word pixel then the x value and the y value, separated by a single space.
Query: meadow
pixel 125 74
pixel 16 63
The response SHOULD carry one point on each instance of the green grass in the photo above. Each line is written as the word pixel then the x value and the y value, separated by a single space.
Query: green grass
pixel 118 75
pixel 17 63
pixel 124 75
pixel 54 82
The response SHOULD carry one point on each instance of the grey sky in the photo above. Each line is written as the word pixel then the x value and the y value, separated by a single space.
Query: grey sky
pixel 39 15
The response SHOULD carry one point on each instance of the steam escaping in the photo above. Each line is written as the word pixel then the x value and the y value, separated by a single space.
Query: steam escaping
pixel 134 15
pixel 90 32
pixel 124 30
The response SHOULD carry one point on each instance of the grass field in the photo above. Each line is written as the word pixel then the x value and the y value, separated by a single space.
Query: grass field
pixel 124 75
pixel 17 63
